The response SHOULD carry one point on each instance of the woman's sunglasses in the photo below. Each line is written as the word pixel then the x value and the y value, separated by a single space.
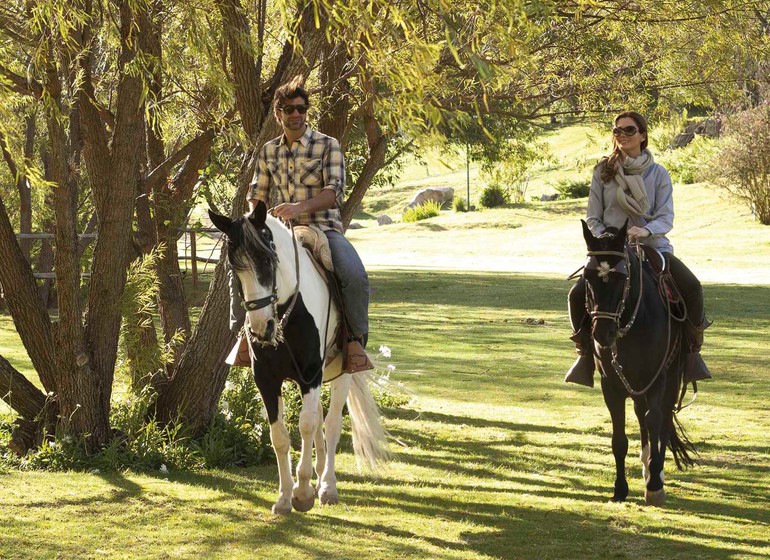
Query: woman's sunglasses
pixel 624 130
pixel 289 109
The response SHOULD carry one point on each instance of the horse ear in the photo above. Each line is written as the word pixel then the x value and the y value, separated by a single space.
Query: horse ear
pixel 587 235
pixel 258 215
pixel 222 223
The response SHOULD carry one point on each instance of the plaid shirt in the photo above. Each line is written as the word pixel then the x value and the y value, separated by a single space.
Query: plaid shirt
pixel 300 172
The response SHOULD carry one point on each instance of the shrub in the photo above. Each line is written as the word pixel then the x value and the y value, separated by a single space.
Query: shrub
pixel 493 196
pixel 743 164
pixel 425 210
pixel 459 204
pixel 238 436
pixel 689 164
pixel 573 188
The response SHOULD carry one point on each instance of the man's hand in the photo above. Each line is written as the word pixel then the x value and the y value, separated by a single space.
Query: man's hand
pixel 635 232
pixel 287 211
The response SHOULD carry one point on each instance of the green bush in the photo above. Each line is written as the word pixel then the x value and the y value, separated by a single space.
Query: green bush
pixel 573 188
pixel 493 196
pixel 687 165
pixel 238 436
pixel 459 204
pixel 428 209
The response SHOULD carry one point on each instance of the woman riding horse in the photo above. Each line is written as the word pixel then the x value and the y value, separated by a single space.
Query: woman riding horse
pixel 629 186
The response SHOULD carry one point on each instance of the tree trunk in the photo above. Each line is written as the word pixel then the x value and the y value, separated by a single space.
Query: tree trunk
pixel 37 412
pixel 199 378
pixel 378 146
pixel 336 106
pixel 29 315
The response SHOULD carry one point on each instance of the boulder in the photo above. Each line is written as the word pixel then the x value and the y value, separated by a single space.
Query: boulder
pixel 442 195
pixel 549 197
pixel 355 225
pixel 384 219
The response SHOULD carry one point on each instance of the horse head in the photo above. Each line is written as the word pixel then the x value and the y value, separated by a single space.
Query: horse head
pixel 253 259
pixel 607 281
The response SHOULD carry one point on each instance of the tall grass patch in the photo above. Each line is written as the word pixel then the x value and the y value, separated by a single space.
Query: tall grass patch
pixel 428 209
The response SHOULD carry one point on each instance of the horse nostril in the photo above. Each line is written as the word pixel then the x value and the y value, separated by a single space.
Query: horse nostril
pixel 270 329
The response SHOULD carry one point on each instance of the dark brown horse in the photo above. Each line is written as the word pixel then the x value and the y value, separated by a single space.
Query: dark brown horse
pixel 640 354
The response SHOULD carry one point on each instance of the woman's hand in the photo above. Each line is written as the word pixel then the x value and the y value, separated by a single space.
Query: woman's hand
pixel 635 232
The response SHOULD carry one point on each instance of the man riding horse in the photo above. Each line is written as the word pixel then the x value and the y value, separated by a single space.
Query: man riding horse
pixel 300 175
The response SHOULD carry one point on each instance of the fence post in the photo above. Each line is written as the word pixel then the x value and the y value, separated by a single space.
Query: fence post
pixel 194 257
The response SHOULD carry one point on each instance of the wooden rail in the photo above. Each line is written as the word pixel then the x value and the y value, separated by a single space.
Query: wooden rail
pixel 193 256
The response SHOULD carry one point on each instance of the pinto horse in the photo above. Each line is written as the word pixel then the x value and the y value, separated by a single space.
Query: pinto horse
pixel 639 348
pixel 291 322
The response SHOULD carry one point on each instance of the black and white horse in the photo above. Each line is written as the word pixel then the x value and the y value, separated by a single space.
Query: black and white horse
pixel 290 323
pixel 640 350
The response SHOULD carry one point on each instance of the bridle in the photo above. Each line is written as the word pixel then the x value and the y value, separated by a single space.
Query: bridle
pixel 623 267
pixel 272 299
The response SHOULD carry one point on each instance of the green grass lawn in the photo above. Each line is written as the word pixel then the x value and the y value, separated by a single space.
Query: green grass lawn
pixel 496 457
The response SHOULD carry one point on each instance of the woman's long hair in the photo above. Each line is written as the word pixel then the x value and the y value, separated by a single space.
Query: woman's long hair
pixel 609 169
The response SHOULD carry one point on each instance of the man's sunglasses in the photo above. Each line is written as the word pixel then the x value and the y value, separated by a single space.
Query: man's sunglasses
pixel 289 109
pixel 624 130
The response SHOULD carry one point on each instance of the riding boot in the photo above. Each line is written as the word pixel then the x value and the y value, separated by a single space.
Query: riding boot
pixel 356 358
pixel 694 367
pixel 582 371
pixel 239 355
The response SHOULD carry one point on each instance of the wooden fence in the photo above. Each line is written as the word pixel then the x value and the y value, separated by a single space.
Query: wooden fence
pixel 190 250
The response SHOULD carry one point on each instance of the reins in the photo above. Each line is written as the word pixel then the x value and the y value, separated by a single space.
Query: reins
pixel 263 302
pixel 622 331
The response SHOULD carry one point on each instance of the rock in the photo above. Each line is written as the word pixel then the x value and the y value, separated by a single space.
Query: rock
pixel 442 195
pixel 384 219
pixel 549 197
pixel 682 139
pixel 355 225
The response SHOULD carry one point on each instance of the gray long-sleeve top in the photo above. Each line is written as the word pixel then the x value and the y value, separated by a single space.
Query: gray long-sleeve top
pixel 604 210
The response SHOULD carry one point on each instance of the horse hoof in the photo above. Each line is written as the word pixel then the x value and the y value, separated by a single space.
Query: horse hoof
pixel 654 497
pixel 329 498
pixel 303 505
pixel 280 508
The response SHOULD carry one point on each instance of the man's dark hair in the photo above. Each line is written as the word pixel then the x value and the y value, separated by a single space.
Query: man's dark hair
pixel 290 90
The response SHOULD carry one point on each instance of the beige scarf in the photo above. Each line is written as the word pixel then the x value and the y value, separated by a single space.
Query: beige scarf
pixel 631 194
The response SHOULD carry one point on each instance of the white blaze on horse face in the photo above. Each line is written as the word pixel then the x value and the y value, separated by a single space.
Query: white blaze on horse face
pixel 253 290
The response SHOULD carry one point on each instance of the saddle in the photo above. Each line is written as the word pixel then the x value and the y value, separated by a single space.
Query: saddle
pixel 656 263
pixel 315 241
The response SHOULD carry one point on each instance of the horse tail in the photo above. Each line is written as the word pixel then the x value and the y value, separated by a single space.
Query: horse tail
pixel 680 445
pixel 369 435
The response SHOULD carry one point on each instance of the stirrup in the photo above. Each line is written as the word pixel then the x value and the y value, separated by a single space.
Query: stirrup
pixel 356 358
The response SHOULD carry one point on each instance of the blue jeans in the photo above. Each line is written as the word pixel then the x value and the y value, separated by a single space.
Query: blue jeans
pixel 353 280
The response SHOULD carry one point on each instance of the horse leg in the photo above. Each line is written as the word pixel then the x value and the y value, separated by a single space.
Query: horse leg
pixel 279 437
pixel 616 404
pixel 654 494
pixel 320 444
pixel 640 409
pixel 303 495
pixel 340 387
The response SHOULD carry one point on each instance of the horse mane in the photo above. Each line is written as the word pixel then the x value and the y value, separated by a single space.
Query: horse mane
pixel 243 244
